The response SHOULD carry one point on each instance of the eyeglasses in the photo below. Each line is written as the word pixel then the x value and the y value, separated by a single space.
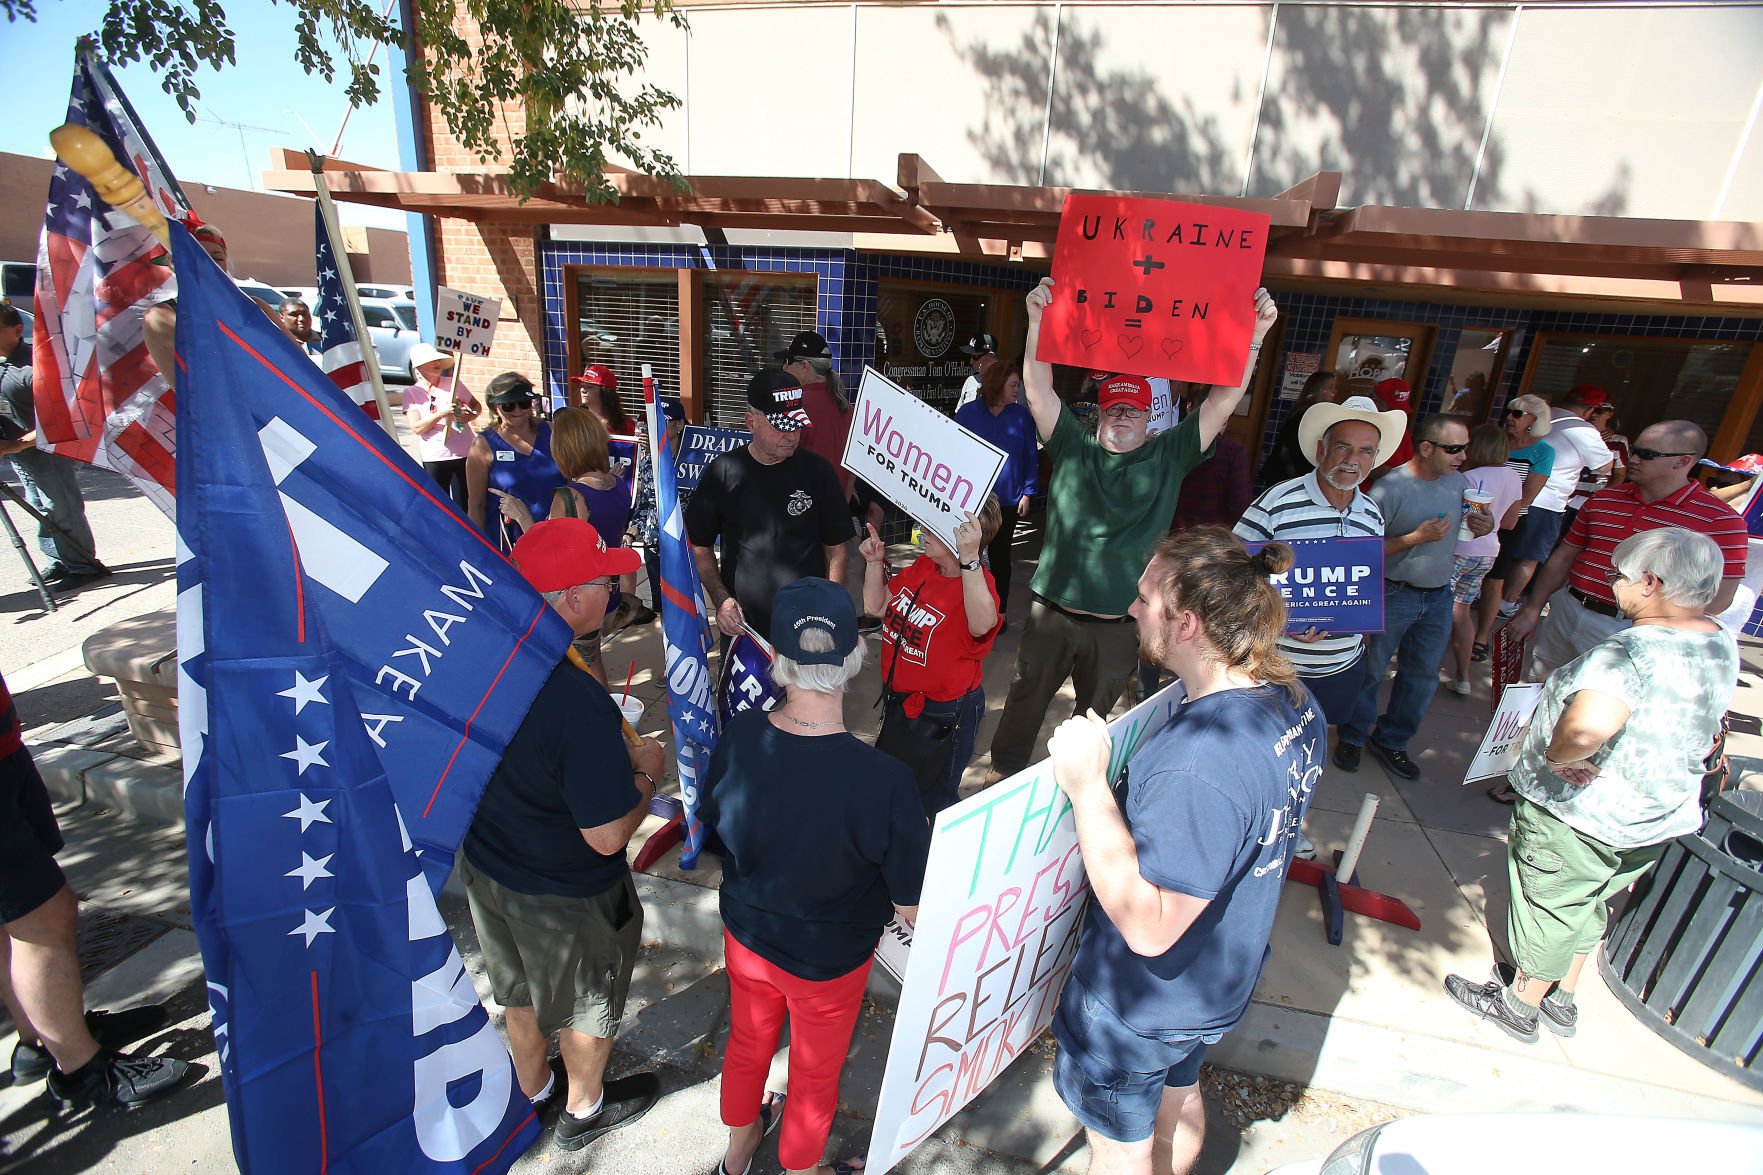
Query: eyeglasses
pixel 608 583
pixel 1613 577
pixel 1449 448
pixel 1124 412
pixel 1654 454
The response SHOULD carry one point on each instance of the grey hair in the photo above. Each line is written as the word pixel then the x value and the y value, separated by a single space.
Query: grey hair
pixel 817 679
pixel 826 373
pixel 1688 565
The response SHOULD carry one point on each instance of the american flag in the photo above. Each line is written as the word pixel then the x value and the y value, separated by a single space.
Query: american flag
pixel 339 351
pixel 100 398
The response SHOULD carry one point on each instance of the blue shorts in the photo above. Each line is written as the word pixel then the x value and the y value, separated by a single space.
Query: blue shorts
pixel 1530 541
pixel 1110 1077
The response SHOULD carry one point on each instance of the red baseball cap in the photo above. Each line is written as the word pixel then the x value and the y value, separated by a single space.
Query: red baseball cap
pixel 566 552
pixel 597 374
pixel 1393 392
pixel 1588 395
pixel 1124 389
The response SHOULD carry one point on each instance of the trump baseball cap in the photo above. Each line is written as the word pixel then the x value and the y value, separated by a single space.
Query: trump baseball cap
pixel 813 605
pixel 980 344
pixel 596 375
pixel 1124 389
pixel 1392 392
pixel 777 395
pixel 566 552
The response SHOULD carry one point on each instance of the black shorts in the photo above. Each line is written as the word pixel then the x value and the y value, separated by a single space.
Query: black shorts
pixel 29 839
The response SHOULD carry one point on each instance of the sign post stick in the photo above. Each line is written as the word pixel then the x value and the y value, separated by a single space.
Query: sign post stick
pixel 1349 862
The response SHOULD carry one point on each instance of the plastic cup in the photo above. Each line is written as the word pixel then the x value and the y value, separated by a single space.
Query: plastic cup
pixel 632 709
pixel 1472 499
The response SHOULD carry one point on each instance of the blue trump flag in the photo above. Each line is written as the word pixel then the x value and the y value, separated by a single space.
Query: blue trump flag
pixel 353 657
pixel 685 636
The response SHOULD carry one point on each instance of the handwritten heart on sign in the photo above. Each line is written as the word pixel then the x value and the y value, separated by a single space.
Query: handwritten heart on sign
pixel 1131 345
pixel 1091 338
pixel 1172 348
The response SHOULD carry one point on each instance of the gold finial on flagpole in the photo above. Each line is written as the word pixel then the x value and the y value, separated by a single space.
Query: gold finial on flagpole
pixel 116 185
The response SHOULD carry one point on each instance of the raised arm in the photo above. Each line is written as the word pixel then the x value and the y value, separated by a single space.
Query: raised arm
pixel 1216 409
pixel 1037 376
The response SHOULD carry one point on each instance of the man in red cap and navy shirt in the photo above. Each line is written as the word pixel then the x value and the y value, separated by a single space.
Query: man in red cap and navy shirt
pixel 543 863
pixel 1110 499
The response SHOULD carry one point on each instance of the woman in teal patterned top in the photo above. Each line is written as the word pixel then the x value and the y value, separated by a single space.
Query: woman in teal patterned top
pixel 1611 769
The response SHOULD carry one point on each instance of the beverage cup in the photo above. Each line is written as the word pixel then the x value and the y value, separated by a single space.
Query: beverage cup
pixel 632 709
pixel 1473 499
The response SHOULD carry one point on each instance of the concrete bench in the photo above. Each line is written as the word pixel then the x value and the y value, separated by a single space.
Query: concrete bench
pixel 141 655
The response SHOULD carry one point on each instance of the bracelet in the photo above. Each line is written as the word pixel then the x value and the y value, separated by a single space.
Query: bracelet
pixel 1254 346
pixel 645 775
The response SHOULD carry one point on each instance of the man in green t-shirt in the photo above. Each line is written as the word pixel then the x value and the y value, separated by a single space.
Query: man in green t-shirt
pixel 1111 497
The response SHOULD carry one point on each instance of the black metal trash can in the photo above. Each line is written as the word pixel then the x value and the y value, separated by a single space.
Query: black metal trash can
pixel 1686 953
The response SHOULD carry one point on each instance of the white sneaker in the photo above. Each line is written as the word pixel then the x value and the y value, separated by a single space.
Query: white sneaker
pixel 1508 609
pixel 1305 849
pixel 1460 688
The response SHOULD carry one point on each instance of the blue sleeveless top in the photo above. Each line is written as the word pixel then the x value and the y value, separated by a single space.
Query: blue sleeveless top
pixel 531 477
pixel 609 511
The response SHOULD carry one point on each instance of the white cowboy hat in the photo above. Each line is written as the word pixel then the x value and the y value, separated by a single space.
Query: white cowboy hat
pixel 424 353
pixel 1319 418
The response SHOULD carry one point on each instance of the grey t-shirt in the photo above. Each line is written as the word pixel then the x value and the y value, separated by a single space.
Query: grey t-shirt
pixel 1406 502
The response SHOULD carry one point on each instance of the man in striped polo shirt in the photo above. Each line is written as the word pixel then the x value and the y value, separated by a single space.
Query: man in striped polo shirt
pixel 1345 442
pixel 1576 580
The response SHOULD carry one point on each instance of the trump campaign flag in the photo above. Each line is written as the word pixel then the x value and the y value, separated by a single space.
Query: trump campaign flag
pixel 339 350
pixel 353 658
pixel 99 396
pixel 684 635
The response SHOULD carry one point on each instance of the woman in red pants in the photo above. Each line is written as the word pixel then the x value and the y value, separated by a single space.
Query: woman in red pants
pixel 824 840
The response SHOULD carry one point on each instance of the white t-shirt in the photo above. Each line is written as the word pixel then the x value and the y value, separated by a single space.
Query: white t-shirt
pixel 1577 446
pixel 969 392
pixel 1165 412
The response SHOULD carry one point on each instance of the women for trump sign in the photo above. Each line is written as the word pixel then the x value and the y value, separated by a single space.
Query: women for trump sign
pixel 1154 287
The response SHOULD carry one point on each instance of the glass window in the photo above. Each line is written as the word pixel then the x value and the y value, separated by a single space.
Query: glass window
pixel 406 316
pixel 625 318
pixel 1648 380
pixel 1361 361
pixel 1475 372
pixel 377 316
pixel 747 317
pixel 918 335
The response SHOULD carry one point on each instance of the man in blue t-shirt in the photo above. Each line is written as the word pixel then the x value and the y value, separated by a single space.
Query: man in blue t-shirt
pixel 543 862
pixel 1187 857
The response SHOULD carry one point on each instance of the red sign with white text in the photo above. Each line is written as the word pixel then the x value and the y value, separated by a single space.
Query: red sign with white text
pixel 1155 288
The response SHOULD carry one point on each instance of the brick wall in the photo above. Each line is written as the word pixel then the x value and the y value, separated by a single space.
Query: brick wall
pixel 497 260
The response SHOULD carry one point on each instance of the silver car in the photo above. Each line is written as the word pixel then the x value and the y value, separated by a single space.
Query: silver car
pixel 391 322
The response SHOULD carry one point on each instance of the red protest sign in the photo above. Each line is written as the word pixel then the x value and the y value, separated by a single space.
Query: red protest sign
pixel 1154 287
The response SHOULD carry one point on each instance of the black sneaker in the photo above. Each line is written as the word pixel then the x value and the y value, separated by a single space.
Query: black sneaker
pixel 1488 1001
pixel 112 1030
pixel 1561 1019
pixel 623 1102
pixel 75 580
pixel 114 1079
pixel 1346 756
pixel 867 624
pixel 1397 761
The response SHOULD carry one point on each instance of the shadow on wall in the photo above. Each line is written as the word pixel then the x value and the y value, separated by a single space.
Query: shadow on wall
pixel 1396 100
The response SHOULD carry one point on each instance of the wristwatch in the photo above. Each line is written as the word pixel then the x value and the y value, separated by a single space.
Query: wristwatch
pixel 974 566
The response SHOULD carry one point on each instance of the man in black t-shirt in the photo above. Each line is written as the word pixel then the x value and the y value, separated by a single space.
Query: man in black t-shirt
pixel 543 862
pixel 779 512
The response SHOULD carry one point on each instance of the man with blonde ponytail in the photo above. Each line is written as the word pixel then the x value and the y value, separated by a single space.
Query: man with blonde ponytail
pixel 1186 856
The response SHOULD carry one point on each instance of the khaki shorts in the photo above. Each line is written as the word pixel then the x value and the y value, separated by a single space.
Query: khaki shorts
pixel 1562 881
pixel 569 959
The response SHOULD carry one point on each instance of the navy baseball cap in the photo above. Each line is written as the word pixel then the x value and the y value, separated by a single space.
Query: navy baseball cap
pixel 806 345
pixel 980 344
pixel 777 395
pixel 672 408
pixel 809 605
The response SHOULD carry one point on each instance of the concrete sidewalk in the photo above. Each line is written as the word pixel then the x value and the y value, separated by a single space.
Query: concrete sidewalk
pixel 1367 1021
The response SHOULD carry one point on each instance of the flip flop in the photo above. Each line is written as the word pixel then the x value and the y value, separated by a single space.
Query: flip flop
pixel 1502 793
pixel 771 1112
pixel 846 1168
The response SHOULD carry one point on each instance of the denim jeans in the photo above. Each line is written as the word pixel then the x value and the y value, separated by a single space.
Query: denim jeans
pixel 50 486
pixel 1416 629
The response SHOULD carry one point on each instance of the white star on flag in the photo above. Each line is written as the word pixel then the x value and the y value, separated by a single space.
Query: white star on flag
pixel 328 274
pixel 308 812
pixel 311 869
pixel 83 198
pixel 304 691
pixel 307 755
pixel 315 924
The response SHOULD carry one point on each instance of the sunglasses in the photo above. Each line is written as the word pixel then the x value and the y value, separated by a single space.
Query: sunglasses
pixel 1449 448
pixel 1654 454
pixel 1516 412
pixel 527 404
